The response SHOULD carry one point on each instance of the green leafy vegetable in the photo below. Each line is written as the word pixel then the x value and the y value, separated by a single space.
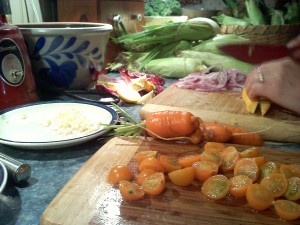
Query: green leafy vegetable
pixel 256 16
pixel 292 15
pixel 162 8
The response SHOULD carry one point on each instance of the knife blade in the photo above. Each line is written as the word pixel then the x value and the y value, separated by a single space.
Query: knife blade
pixel 257 53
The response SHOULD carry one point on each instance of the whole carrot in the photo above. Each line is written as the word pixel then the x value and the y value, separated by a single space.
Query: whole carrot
pixel 215 132
pixel 173 124
pixel 244 137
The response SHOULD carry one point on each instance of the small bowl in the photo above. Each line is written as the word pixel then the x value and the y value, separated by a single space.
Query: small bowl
pixel 66 54
pixel 3 176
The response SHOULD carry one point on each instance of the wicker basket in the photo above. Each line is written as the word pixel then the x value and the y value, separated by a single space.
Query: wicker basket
pixel 266 34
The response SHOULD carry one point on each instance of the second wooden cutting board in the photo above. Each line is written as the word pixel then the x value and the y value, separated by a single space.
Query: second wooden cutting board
pixel 227 108
pixel 88 199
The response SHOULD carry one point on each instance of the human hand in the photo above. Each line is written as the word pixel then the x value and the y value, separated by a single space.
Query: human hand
pixel 281 83
pixel 294 44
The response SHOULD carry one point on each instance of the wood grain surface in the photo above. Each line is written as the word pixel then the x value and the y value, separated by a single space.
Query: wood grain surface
pixel 88 199
pixel 228 108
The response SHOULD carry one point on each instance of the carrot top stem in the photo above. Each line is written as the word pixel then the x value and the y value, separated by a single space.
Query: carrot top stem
pixel 125 114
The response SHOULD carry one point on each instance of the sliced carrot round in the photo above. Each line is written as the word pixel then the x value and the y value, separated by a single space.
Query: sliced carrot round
pixel 212 157
pixel 293 189
pixel 248 167
pixel 182 177
pixel 250 152
pixel 239 185
pixel 143 174
pixel 260 161
pixel 275 182
pixel 169 163
pixel 268 168
pixel 259 197
pixel 154 184
pixel 291 170
pixel 287 210
pixel 214 147
pixel 188 160
pixel 119 173
pixel 215 187
pixel 151 163
pixel 205 169
pixel 140 156
pixel 130 191
pixel 230 156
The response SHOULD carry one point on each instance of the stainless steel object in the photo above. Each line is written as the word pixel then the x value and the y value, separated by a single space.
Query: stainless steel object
pixel 17 171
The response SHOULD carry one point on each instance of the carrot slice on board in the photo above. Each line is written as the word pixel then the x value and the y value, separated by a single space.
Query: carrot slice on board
pixel 182 177
pixel 143 174
pixel 239 185
pixel 188 160
pixel 130 191
pixel 151 163
pixel 287 210
pixel 214 147
pixel 170 163
pixel 205 169
pixel 268 168
pixel 154 184
pixel 260 160
pixel 293 189
pixel 216 187
pixel 230 156
pixel 259 197
pixel 248 167
pixel 276 183
pixel 140 156
pixel 291 170
pixel 118 173
pixel 250 152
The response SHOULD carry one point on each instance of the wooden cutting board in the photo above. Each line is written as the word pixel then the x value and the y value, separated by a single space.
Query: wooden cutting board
pixel 88 199
pixel 227 108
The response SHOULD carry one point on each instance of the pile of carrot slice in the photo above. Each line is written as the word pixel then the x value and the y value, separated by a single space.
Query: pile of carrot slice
pixel 222 170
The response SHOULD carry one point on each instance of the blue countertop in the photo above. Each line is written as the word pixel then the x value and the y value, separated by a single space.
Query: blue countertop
pixel 51 170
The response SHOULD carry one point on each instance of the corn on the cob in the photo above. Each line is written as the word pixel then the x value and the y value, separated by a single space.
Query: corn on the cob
pixel 212 45
pixel 174 67
pixel 229 20
pixel 255 14
pixel 277 17
pixel 210 59
pixel 166 33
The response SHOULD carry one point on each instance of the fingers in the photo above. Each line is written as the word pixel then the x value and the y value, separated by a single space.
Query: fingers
pixel 255 83
pixel 250 84
pixel 294 42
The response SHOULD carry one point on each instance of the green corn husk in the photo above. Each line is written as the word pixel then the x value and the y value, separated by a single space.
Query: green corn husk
pixel 212 45
pixel 277 17
pixel 129 60
pixel 165 51
pixel 229 20
pixel 233 6
pixel 168 32
pixel 256 17
pixel 292 15
pixel 210 59
pixel 174 67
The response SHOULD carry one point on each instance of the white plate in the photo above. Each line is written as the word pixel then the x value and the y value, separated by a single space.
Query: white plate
pixel 54 124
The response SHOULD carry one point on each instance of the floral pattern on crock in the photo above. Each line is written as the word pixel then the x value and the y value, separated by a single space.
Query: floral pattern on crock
pixel 62 75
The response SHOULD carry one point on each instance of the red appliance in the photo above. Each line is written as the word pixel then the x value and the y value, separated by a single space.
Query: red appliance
pixel 17 84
